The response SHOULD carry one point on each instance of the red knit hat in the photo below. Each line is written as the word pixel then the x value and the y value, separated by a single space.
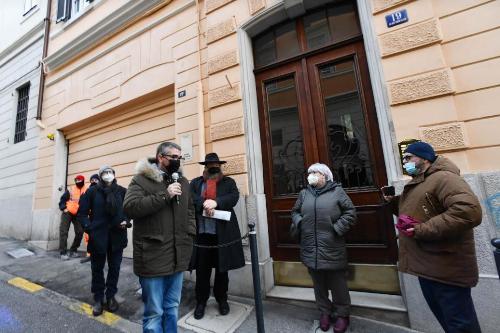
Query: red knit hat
pixel 79 178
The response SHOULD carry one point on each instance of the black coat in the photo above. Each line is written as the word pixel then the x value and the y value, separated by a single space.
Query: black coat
pixel 230 257
pixel 102 227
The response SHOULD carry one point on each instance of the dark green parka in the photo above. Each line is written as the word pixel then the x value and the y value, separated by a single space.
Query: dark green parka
pixel 163 229
pixel 323 217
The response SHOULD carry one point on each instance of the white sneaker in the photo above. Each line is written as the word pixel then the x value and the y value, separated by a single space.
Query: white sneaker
pixel 64 257
pixel 73 255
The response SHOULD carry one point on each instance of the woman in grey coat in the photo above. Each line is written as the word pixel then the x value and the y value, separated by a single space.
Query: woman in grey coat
pixel 321 217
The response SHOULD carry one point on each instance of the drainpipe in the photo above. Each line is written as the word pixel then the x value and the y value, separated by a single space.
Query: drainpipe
pixel 46 21
pixel 199 89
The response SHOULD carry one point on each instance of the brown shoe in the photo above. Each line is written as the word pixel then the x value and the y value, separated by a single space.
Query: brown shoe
pixel 324 322
pixel 341 325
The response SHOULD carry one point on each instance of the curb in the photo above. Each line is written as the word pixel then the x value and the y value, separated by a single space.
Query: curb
pixel 107 318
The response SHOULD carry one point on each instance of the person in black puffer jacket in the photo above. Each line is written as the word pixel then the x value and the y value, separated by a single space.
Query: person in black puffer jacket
pixel 321 217
pixel 102 217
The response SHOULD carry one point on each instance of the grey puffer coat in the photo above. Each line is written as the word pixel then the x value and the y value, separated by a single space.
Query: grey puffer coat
pixel 322 217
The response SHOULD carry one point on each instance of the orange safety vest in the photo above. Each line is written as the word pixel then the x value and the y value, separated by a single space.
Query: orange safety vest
pixel 74 198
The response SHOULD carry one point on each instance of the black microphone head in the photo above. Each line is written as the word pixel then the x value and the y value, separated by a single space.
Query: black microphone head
pixel 175 176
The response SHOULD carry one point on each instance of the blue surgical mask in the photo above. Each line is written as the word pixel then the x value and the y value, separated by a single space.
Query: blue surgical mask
pixel 411 168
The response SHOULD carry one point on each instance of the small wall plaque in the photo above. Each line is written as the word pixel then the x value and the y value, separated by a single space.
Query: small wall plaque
pixel 401 16
pixel 186 143
pixel 181 94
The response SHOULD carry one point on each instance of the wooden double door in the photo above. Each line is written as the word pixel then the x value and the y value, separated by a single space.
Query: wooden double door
pixel 320 108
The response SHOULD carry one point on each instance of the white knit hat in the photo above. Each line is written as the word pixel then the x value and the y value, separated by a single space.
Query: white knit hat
pixel 322 169
pixel 104 168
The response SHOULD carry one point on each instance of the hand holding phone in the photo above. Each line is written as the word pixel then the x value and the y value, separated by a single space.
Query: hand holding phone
pixel 388 192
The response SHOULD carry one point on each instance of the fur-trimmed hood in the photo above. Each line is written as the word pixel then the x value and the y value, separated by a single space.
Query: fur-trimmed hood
pixel 149 169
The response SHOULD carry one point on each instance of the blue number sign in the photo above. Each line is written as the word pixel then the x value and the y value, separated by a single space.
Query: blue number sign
pixel 396 18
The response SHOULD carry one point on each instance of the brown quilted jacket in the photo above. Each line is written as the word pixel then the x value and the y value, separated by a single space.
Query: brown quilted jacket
pixel 443 246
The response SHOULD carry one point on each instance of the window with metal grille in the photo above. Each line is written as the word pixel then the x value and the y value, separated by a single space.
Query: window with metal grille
pixel 23 94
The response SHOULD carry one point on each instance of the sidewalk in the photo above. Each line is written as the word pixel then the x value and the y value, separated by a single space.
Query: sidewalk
pixel 72 280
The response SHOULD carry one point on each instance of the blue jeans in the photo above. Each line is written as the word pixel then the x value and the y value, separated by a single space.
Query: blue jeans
pixel 452 306
pixel 161 297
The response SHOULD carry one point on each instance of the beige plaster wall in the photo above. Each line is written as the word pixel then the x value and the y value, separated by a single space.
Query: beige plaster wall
pixel 159 57
pixel 442 69
pixel 174 53
pixel 442 76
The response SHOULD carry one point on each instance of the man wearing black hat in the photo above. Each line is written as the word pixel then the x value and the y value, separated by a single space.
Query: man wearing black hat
pixel 437 212
pixel 214 191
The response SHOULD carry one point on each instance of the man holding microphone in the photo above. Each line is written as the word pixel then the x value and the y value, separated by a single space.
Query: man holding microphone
pixel 164 229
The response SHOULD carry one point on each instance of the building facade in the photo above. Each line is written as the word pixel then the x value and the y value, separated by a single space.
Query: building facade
pixel 21 46
pixel 273 86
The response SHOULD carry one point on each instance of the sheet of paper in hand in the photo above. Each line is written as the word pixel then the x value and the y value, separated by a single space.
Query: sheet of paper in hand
pixel 219 214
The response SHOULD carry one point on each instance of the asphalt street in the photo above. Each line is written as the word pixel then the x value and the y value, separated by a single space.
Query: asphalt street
pixel 21 311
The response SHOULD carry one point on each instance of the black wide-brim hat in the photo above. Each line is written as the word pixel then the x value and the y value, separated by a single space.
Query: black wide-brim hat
pixel 212 158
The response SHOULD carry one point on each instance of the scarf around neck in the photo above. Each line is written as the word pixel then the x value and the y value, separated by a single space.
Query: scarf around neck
pixel 210 191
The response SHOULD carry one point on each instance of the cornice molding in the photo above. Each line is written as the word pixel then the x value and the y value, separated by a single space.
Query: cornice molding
pixel 113 47
pixel 18 46
pixel 111 24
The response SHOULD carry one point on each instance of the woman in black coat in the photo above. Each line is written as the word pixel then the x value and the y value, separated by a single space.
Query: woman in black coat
pixel 214 191
pixel 101 214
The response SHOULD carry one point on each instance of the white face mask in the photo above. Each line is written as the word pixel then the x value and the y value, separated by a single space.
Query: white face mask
pixel 108 177
pixel 312 179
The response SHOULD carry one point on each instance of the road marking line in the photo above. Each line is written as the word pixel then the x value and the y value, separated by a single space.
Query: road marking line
pixel 107 318
pixel 25 284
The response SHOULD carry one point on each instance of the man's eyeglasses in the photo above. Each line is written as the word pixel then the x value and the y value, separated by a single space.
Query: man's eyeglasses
pixel 173 157
pixel 407 157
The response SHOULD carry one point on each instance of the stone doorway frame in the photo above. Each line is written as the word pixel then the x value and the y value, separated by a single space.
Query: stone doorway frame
pixel 283 10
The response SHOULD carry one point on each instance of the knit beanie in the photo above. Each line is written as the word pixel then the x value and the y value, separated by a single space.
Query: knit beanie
pixel 79 178
pixel 94 176
pixel 104 168
pixel 422 150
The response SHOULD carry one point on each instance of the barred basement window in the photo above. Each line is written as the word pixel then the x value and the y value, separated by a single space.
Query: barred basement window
pixel 23 94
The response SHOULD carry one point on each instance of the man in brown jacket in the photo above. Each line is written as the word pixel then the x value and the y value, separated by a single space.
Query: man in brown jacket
pixel 159 201
pixel 437 212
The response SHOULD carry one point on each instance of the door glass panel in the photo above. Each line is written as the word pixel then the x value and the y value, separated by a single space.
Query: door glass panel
pixel 343 22
pixel 286 136
pixel 348 143
pixel 316 29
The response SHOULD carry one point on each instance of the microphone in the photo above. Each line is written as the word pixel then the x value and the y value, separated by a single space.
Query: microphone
pixel 175 177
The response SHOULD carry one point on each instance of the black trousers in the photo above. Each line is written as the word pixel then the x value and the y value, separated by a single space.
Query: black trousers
pixel 208 259
pixel 66 220
pixel 97 262
pixel 452 306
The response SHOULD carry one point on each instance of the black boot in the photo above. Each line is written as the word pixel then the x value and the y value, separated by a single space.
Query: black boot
pixel 224 308
pixel 199 312
pixel 97 308
pixel 112 304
